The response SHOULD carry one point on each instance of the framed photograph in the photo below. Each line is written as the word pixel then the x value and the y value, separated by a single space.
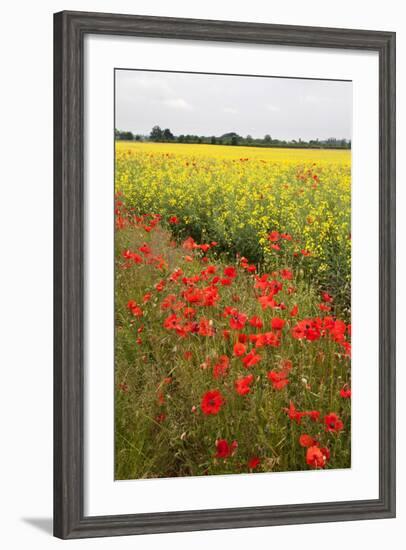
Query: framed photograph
pixel 224 274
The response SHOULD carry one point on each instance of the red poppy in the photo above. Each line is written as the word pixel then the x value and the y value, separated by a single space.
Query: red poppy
pixel 254 462
pixel 256 322
pixel 313 415
pixel 267 301
pixel 212 402
pixel 273 236
pixel 306 440
pixel 267 339
pixel 242 385
pixel 293 413
pixel 230 272
pixel 224 450
pixel 221 367
pixel 134 308
pixel 238 320
pixel 160 286
pixel 286 274
pixel 326 297
pixel 279 379
pixel 333 423
pixel 315 457
pixel 239 349
pixel 206 327
pixel 277 323
pixel 251 359
pixel 324 307
pixel 145 249
pixel 173 220
pixel 345 392
pixel 294 311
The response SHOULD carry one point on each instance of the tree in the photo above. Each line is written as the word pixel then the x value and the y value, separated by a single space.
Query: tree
pixel 267 138
pixel 156 134
pixel 167 135
pixel 213 140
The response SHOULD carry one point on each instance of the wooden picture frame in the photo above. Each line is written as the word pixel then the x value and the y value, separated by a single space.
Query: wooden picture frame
pixel 69 31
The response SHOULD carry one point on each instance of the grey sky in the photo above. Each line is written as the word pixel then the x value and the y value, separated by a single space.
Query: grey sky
pixel 216 104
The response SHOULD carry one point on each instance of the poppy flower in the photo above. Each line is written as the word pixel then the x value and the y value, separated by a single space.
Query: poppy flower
pixel 212 401
pixel 279 379
pixel 242 385
pixel 273 236
pixel 286 274
pixel 145 249
pixel 221 367
pixel 134 308
pixel 313 415
pixel 254 462
pixel 238 320
pixel 239 349
pixel 206 327
pixel 345 392
pixel 256 322
pixel 230 272
pixel 160 286
pixel 315 457
pixel 173 220
pixel 267 301
pixel 324 307
pixel 333 423
pixel 277 323
pixel 251 359
pixel 267 339
pixel 224 450
pixel 294 311
pixel 306 440
pixel 293 413
pixel 326 297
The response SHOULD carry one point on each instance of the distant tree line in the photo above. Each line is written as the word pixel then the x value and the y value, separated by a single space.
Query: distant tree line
pixel 160 135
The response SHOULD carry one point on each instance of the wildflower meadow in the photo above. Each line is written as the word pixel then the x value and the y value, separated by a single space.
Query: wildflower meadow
pixel 232 309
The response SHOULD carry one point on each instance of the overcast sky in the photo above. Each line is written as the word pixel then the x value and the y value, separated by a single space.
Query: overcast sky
pixel 216 104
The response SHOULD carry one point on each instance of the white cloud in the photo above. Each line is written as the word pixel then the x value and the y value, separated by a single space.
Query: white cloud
pixel 272 108
pixel 178 103
pixel 230 110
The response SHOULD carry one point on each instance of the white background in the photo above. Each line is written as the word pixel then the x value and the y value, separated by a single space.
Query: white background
pixel 26 275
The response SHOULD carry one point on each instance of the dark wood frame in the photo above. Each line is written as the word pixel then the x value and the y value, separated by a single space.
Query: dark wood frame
pixel 69 31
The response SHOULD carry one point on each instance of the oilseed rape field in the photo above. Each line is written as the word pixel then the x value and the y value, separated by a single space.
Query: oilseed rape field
pixel 232 309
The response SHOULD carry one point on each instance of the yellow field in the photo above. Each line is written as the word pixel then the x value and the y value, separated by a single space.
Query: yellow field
pixel 342 156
